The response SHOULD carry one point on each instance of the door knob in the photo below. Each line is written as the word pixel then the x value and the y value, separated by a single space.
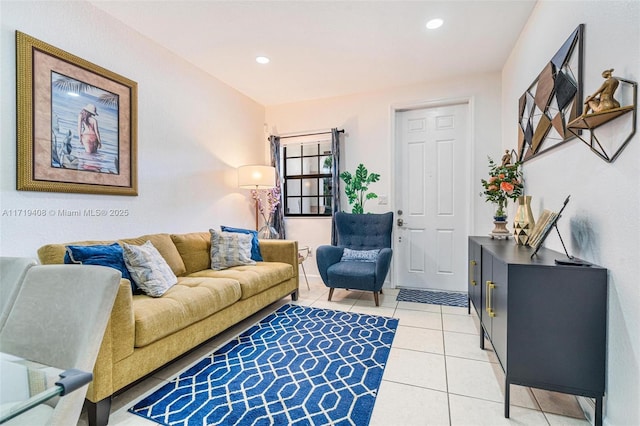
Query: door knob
pixel 400 222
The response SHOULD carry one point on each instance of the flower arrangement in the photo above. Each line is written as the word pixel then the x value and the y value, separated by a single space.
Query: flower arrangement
pixel 268 207
pixel 505 181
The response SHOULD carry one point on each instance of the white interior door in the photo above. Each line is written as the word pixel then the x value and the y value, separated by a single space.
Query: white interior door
pixel 431 189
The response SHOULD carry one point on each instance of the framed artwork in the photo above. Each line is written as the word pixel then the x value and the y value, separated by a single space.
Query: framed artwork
pixel 552 101
pixel 77 123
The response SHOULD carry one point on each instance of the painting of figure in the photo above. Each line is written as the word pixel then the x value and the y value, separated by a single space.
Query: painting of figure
pixel 84 134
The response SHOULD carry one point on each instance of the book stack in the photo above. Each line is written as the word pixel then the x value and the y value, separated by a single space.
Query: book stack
pixel 543 225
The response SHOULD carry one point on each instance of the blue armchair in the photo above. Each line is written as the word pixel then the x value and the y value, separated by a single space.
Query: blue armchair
pixel 357 232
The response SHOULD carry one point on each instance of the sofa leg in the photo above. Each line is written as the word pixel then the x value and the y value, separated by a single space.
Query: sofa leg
pixel 380 291
pixel 294 296
pixel 99 412
pixel 375 297
pixel 330 294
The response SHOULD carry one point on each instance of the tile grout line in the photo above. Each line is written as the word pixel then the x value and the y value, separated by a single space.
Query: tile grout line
pixel 446 373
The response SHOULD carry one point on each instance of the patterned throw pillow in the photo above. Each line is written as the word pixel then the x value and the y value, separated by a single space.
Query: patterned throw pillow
pixel 230 249
pixel 255 244
pixel 101 255
pixel 149 269
pixel 349 255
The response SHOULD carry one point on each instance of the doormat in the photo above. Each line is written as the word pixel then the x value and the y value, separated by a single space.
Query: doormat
pixel 433 297
pixel 299 365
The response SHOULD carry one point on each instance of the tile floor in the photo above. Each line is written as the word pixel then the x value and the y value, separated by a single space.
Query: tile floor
pixel 436 373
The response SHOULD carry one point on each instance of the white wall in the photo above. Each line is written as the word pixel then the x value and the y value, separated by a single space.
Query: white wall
pixel 193 131
pixel 367 120
pixel 601 223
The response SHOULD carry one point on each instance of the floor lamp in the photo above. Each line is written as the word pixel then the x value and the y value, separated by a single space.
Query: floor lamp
pixel 256 176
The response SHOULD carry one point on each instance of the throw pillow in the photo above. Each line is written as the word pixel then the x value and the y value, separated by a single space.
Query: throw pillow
pixel 349 255
pixel 149 269
pixel 230 249
pixel 255 244
pixel 103 255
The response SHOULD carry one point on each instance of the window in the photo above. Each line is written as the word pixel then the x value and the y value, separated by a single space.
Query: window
pixel 307 179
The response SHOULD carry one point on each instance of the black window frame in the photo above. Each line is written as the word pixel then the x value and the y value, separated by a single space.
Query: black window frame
pixel 320 178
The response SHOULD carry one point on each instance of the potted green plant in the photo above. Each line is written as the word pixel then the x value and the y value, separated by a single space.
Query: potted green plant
pixel 505 181
pixel 357 185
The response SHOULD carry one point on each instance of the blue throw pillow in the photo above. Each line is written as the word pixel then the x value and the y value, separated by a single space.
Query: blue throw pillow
pixel 111 256
pixel 349 255
pixel 255 244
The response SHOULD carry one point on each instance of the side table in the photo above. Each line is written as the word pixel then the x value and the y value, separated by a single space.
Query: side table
pixel 303 254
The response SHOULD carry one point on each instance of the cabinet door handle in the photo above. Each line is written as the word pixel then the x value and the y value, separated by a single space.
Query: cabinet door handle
pixel 490 286
pixel 471 272
pixel 487 303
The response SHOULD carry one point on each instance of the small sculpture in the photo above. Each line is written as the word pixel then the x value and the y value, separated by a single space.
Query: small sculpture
pixel 602 99
pixel 506 158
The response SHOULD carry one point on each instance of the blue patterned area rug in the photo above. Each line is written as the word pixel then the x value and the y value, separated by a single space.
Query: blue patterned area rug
pixel 433 297
pixel 299 365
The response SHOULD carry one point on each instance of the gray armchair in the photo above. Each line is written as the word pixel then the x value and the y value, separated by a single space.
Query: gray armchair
pixel 57 316
pixel 12 272
pixel 357 232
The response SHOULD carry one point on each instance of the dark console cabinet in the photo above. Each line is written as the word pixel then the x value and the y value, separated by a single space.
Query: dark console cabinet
pixel 546 322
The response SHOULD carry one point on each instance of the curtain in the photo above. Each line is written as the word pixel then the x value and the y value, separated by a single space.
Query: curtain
pixel 278 216
pixel 335 182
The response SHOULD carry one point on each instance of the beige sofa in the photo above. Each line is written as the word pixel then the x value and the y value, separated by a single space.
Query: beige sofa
pixel 145 333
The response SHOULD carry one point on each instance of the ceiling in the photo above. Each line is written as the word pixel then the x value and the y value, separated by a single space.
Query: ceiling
pixel 321 49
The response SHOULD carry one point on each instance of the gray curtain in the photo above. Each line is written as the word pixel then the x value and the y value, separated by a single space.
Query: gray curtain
pixel 278 216
pixel 335 183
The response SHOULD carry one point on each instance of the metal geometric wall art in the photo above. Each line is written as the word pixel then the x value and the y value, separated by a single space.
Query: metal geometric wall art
pixel 552 101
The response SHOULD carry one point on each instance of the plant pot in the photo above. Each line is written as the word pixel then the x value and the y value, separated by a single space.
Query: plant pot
pixel 500 229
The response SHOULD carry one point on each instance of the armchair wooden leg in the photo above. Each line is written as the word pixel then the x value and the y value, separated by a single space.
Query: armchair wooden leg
pixel 375 297
pixel 330 294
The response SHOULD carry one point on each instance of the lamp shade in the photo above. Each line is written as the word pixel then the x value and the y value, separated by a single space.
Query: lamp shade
pixel 256 176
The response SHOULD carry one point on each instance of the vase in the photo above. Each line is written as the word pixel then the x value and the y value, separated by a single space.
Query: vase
pixel 523 222
pixel 500 230
pixel 268 232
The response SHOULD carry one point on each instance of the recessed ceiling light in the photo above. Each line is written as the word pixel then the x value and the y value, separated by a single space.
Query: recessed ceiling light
pixel 262 60
pixel 434 23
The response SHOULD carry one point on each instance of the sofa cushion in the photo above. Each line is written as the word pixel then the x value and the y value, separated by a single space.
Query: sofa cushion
pixel 349 255
pixel 148 269
pixel 103 255
pixel 166 247
pixel 190 300
pixel 253 279
pixel 230 249
pixel 194 248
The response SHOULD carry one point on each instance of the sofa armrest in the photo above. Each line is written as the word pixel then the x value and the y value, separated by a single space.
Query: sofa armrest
pixel 383 263
pixel 285 251
pixel 326 256
pixel 117 343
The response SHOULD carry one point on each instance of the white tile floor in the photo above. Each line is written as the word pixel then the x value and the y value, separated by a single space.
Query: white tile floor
pixel 436 373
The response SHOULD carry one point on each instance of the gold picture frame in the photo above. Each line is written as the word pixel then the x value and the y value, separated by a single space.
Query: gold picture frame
pixel 77 123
